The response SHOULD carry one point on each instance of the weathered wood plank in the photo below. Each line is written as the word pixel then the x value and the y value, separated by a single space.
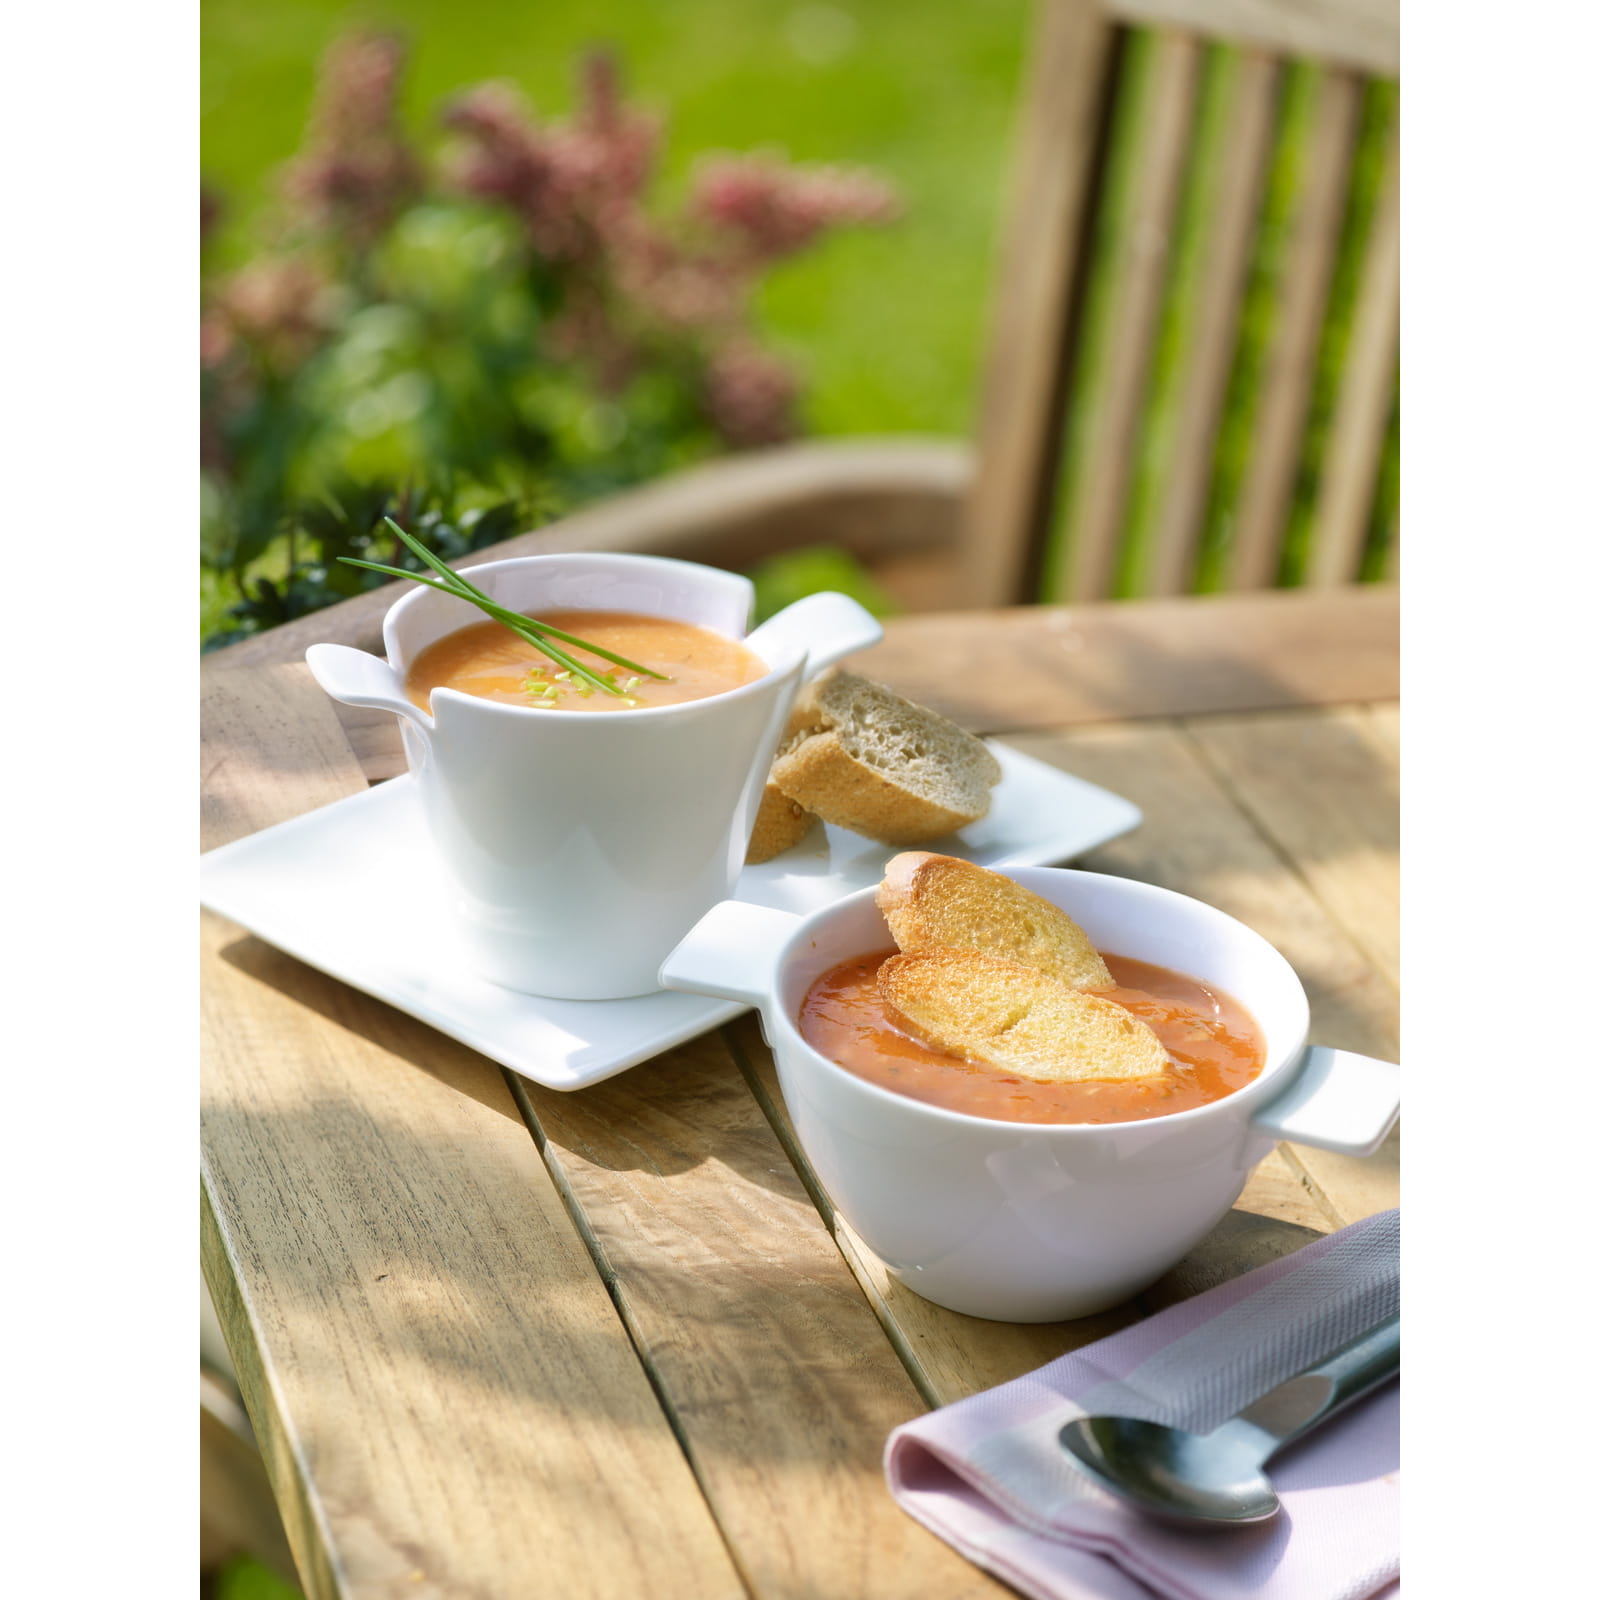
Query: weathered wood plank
pixel 1285 398
pixel 1100 502
pixel 1364 34
pixel 271 748
pixel 1324 787
pixel 1209 360
pixel 1044 667
pixel 1366 395
pixel 1035 284
pixel 777 1376
pixel 431 1362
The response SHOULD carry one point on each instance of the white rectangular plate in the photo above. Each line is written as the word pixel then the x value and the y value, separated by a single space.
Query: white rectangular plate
pixel 352 890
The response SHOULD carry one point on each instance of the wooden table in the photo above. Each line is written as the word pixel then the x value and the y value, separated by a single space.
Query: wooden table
pixel 500 1341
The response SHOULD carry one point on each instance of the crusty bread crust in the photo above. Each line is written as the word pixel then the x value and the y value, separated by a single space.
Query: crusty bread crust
pixel 1015 1018
pixel 781 823
pixel 866 759
pixel 935 900
pixel 844 791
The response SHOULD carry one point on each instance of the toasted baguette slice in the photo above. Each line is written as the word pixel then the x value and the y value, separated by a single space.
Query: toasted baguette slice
pixel 881 766
pixel 931 900
pixel 1016 1018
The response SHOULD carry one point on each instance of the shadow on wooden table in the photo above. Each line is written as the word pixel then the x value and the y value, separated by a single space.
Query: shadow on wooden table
pixel 393 1031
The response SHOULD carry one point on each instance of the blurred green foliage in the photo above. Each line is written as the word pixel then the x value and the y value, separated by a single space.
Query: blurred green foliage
pixel 495 324
pixel 245 1578
pixel 780 580
pixel 886 326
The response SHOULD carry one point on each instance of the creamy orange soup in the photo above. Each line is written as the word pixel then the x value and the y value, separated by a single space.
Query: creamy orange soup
pixel 487 659
pixel 1213 1048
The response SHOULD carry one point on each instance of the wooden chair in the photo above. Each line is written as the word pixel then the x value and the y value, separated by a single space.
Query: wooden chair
pixel 1037 394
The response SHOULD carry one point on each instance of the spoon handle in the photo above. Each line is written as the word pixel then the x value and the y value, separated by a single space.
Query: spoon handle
pixel 1312 1396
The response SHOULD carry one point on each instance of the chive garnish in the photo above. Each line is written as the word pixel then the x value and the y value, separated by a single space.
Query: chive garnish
pixel 538 634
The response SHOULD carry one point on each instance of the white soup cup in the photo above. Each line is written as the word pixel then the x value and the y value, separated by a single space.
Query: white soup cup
pixel 581 847
pixel 1028 1222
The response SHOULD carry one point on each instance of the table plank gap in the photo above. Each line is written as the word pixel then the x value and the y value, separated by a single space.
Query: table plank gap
pixel 761 1345
pixel 607 1273
pixel 1321 787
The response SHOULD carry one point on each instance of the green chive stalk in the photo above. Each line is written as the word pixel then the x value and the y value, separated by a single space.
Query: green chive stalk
pixel 538 634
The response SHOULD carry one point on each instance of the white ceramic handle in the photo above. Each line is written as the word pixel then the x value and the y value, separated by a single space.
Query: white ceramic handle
pixel 356 678
pixel 732 952
pixel 827 627
pixel 1338 1101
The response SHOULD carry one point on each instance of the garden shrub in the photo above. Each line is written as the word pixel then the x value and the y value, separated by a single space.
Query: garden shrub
pixel 478 338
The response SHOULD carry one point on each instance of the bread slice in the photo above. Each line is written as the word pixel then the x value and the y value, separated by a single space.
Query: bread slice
pixel 876 763
pixel 781 823
pixel 931 900
pixel 1002 1014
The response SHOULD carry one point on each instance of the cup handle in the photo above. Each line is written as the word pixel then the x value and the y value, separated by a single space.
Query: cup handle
pixel 1338 1101
pixel 358 678
pixel 826 626
pixel 731 952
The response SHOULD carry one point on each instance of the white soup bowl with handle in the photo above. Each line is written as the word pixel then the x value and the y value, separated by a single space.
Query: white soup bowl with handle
pixel 1031 1222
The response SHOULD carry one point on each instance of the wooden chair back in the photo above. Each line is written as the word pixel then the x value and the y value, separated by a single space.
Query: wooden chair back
pixel 1167 403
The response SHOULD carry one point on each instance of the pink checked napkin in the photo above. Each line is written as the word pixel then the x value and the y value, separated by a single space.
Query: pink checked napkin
pixel 987 1475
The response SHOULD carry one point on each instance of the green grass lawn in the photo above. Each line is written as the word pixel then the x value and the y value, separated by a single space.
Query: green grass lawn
pixel 886 324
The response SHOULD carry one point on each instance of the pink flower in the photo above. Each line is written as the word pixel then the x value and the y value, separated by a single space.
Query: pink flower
pixel 750 395
pixel 356 172
pixel 504 156
pixel 210 211
pixel 610 148
pixel 775 209
pixel 575 185
pixel 275 306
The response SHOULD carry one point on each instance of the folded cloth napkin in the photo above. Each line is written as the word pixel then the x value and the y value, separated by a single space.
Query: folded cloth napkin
pixel 987 1474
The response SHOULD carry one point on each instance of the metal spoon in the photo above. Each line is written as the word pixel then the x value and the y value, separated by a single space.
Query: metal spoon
pixel 1217 1477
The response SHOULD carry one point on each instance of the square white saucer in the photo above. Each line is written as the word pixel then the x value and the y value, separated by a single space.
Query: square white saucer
pixel 351 889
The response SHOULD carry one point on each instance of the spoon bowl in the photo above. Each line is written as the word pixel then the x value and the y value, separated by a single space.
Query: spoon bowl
pixel 1180 1476
pixel 1219 1478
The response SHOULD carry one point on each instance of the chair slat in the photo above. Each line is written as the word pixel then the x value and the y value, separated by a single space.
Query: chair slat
pixel 1291 363
pixel 1099 513
pixel 1361 416
pixel 1382 557
pixel 1208 362
pixel 1018 436
pixel 1362 34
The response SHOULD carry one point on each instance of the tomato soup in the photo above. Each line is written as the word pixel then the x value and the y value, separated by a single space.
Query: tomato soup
pixel 1213 1047
pixel 487 659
